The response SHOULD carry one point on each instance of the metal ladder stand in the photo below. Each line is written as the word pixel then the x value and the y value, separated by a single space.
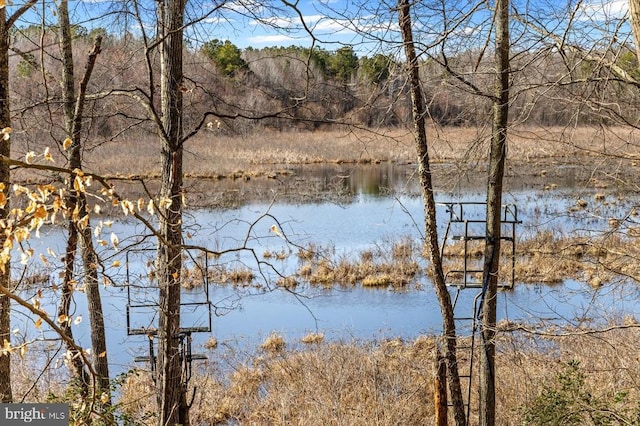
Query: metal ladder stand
pixel 467 224
pixel 142 309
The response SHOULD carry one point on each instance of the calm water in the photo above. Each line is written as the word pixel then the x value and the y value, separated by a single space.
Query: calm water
pixel 376 206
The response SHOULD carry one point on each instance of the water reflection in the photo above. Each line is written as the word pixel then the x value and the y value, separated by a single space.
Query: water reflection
pixel 379 204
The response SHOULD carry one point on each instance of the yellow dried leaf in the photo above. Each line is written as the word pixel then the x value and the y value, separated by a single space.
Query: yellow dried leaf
pixel 66 143
pixel 114 240
pixel 38 323
pixel 104 398
pixel 23 348
pixel 47 155
pixel 19 190
pixel 28 158
pixel 31 207
pixel 58 203
pixel 21 234
pixel 6 132
pixel 62 319
pixel 151 208
pixel 40 213
pixel 116 263
pixel 82 223
pixel 127 207
pixel 78 184
pixel 165 203
pixel 6 347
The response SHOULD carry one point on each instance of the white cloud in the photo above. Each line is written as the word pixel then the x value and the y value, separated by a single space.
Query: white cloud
pixel 604 10
pixel 276 38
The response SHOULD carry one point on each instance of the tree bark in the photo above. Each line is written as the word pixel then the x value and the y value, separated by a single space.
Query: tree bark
pixel 77 200
pixel 171 392
pixel 89 258
pixel 497 159
pixel 69 282
pixel 634 20
pixel 6 23
pixel 5 179
pixel 419 113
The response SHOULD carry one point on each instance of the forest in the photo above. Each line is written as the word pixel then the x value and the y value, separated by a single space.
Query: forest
pixel 134 114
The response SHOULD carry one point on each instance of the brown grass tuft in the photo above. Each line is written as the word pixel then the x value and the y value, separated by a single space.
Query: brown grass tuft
pixel 313 338
pixel 274 343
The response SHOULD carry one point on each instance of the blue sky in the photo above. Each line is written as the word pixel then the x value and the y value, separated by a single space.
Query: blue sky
pixel 333 22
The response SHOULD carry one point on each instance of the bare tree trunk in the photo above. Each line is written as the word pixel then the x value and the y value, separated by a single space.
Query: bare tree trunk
pixel 634 20
pixel 497 159
pixel 89 258
pixel 6 394
pixel 171 393
pixel 74 109
pixel 419 114
pixel 5 178
pixel 68 284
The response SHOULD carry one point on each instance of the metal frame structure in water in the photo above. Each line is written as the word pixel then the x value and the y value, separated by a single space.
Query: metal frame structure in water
pixel 467 222
pixel 185 333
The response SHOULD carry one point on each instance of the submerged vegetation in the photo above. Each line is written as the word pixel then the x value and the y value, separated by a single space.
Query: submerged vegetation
pixel 546 257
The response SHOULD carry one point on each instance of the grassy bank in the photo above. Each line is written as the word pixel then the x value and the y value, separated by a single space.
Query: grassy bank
pixel 214 155
pixel 574 377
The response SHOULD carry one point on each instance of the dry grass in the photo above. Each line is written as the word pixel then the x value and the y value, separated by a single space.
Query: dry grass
pixel 266 153
pixel 390 264
pixel 391 382
pixel 548 257
pixel 222 170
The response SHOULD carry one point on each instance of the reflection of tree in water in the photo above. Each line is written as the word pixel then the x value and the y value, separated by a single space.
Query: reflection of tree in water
pixel 374 179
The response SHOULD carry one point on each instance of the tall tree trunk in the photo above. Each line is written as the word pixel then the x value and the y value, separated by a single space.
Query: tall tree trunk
pixel 419 113
pixel 5 179
pixel 171 393
pixel 89 258
pixel 497 159
pixel 74 111
pixel 634 20
pixel 69 282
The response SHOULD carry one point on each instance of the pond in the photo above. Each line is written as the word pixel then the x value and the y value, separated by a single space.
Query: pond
pixel 377 205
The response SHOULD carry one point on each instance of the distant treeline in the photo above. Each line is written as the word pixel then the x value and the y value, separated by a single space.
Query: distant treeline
pixel 302 88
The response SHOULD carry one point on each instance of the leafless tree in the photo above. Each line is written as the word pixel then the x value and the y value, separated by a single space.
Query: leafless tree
pixel 497 161
pixel 74 104
pixel 6 24
pixel 431 229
